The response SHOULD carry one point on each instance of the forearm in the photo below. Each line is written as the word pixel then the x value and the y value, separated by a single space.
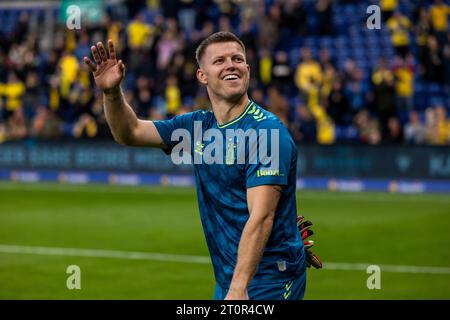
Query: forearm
pixel 121 118
pixel 251 247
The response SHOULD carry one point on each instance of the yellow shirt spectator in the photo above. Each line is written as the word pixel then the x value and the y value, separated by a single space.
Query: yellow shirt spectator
pixel 265 70
pixel 326 131
pixel 13 91
pixel 313 96
pixel 138 33
pixel 388 5
pixel 155 4
pixel 325 126
pixel 173 98
pixel 114 33
pixel 399 28
pixel 71 41
pixel 69 71
pixel 308 74
pixel 443 132
pixel 439 17
pixel 1 95
pixel 91 128
pixel 380 76
pixel 405 81
pixel 53 99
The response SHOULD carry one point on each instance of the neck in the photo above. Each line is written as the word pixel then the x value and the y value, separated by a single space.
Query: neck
pixel 225 110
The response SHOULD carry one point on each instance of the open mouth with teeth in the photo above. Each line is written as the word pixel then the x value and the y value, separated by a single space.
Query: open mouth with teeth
pixel 231 77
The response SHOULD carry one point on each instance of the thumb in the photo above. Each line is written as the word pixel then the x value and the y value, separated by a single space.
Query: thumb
pixel 122 67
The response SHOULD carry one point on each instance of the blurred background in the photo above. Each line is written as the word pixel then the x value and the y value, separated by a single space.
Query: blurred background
pixel 367 107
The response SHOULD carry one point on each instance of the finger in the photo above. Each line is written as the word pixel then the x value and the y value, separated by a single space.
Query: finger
pixel 112 51
pixel 102 50
pixel 314 260
pixel 121 66
pixel 306 234
pixel 306 224
pixel 90 64
pixel 308 244
pixel 95 54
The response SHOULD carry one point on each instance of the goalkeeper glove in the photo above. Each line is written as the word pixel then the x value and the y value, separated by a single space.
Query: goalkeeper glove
pixel 304 227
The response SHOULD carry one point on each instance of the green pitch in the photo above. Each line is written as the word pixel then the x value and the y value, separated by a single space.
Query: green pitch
pixel 390 230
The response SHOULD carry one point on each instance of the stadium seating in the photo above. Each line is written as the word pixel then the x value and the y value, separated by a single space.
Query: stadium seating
pixel 350 40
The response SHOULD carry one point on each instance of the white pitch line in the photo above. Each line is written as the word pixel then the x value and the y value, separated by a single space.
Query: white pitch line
pixel 96 253
pixel 130 255
pixel 386 268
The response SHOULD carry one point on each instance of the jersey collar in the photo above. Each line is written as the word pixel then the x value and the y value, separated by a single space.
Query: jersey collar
pixel 229 123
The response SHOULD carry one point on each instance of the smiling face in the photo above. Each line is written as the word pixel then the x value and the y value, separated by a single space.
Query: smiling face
pixel 224 71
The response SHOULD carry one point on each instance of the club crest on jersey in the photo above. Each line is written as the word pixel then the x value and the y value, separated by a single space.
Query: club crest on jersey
pixel 199 147
pixel 230 152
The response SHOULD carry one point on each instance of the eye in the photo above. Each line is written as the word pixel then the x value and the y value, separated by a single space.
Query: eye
pixel 217 61
pixel 238 59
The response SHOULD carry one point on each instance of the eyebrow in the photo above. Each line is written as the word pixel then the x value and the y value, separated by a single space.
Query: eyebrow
pixel 240 54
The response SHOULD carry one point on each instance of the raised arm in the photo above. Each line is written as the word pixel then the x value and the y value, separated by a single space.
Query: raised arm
pixel 126 128
pixel 262 203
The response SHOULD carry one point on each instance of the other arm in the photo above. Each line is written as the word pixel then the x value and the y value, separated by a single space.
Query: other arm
pixel 262 203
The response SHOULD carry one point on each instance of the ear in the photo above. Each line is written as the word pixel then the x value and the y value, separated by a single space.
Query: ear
pixel 201 77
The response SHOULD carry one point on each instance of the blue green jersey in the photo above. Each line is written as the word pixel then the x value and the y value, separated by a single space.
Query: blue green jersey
pixel 222 188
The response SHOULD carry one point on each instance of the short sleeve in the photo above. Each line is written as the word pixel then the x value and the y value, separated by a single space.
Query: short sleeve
pixel 167 127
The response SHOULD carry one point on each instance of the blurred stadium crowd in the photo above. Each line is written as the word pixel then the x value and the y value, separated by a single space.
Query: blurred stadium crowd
pixel 315 64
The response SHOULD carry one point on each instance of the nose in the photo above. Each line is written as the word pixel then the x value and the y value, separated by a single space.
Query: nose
pixel 229 64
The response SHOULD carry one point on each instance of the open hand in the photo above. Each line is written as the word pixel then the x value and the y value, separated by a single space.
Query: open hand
pixel 108 72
